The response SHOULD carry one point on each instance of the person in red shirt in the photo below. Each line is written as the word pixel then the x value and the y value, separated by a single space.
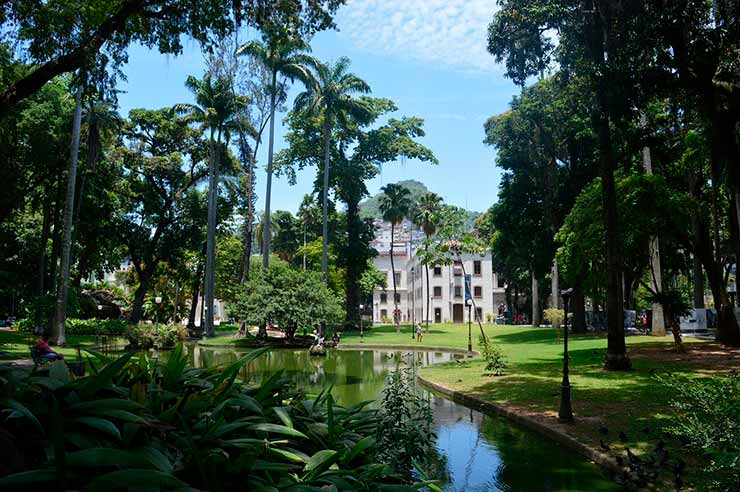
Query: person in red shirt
pixel 44 350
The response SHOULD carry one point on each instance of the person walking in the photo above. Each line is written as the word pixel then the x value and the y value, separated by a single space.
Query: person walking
pixel 419 333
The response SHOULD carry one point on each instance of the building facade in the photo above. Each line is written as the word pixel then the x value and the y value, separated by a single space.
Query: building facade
pixel 447 289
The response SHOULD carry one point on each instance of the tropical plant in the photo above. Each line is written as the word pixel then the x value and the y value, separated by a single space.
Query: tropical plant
pixel 148 335
pixel 554 316
pixel 426 216
pixel 283 55
pixel 492 355
pixel 166 426
pixel 329 93
pixel 216 111
pixel 395 205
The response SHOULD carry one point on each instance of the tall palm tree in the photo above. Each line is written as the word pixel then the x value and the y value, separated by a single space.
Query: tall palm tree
pixel 283 55
pixel 395 204
pixel 426 217
pixel 60 312
pixel 329 92
pixel 216 110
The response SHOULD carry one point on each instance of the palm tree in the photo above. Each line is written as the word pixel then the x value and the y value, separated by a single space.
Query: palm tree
pixel 283 55
pixel 395 205
pixel 60 313
pixel 426 217
pixel 329 92
pixel 216 111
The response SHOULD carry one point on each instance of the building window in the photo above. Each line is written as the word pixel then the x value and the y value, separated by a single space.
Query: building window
pixel 398 278
pixel 458 291
pixel 437 271
pixel 457 269
pixel 383 314
pixel 476 267
pixel 479 314
pixel 438 292
pixel 500 281
pixel 478 292
pixel 398 298
pixel 384 298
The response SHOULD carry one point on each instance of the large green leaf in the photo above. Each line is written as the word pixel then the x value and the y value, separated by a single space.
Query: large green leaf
pixel 135 479
pixel 289 455
pixel 106 404
pixel 28 477
pixel 92 384
pixel 358 448
pixel 321 460
pixel 278 429
pixel 20 409
pixel 282 412
pixel 103 425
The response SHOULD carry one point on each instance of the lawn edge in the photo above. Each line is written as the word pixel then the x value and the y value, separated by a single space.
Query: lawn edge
pixel 601 459
pixel 393 346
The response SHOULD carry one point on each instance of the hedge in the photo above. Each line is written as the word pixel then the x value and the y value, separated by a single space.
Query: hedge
pixel 75 326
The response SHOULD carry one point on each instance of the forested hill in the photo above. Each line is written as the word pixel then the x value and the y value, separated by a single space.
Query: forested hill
pixel 370 208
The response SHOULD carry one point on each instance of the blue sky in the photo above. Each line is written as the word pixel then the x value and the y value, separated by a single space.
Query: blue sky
pixel 428 56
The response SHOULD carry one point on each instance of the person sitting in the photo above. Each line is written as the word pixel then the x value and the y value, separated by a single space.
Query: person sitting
pixel 44 351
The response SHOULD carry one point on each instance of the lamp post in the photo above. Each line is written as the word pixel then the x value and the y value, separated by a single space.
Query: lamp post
pixel 469 302
pixel 413 302
pixel 565 414
pixel 158 301
pixel 362 334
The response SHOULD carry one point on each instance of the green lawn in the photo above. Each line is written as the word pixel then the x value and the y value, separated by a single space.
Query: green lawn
pixel 16 345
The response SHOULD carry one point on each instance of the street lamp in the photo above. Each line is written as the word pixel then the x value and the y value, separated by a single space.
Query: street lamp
pixel 413 302
pixel 362 334
pixel 469 302
pixel 565 414
pixel 158 301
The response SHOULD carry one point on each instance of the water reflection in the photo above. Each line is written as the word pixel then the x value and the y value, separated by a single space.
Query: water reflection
pixel 482 453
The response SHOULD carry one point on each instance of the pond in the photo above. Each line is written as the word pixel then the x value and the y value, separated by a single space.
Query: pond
pixel 483 453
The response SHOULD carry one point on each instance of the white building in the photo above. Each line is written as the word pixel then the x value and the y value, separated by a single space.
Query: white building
pixel 446 285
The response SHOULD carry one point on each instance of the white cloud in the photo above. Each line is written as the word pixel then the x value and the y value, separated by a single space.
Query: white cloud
pixel 452 33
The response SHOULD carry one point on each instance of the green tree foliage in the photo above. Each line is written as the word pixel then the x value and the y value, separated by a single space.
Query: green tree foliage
pixel 64 36
pixel 286 297
pixel 395 206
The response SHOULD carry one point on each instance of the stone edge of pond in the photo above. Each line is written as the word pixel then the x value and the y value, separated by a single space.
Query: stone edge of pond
pixel 383 346
pixel 603 460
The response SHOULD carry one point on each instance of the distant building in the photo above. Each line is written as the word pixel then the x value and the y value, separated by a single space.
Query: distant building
pixel 446 285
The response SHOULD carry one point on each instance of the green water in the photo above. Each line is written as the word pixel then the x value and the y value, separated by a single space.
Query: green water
pixel 483 453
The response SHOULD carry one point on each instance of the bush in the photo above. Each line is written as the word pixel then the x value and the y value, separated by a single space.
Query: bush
pixel 495 360
pixel 76 326
pixel 708 423
pixel 554 316
pixel 145 336
pixel 138 425
pixel 405 433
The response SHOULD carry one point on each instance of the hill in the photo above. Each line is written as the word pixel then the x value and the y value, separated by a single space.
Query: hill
pixel 370 208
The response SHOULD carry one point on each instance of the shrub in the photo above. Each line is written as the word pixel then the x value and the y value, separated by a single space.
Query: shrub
pixel 76 326
pixel 554 316
pixel 708 423
pixel 495 360
pixel 146 336
pixel 489 317
pixel 405 432
pixel 138 425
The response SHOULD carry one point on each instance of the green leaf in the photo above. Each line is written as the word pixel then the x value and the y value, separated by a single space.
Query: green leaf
pixel 322 459
pixel 278 429
pixel 22 410
pixel 358 448
pixel 289 455
pixel 282 412
pixel 58 371
pixel 135 479
pixel 29 477
pixel 102 425
pixel 106 404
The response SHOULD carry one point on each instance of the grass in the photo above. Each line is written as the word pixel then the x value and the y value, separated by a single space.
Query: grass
pixel 16 345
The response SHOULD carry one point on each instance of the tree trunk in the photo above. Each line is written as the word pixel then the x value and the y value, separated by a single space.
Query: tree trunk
pixel 325 204
pixel 211 236
pixel 249 217
pixel 355 266
pixel 194 298
pixel 137 307
pixel 554 285
pixel 41 262
pixel 56 240
pixel 426 268
pixel 60 314
pixel 396 317
pixel 578 302
pixel 268 192
pixel 536 320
